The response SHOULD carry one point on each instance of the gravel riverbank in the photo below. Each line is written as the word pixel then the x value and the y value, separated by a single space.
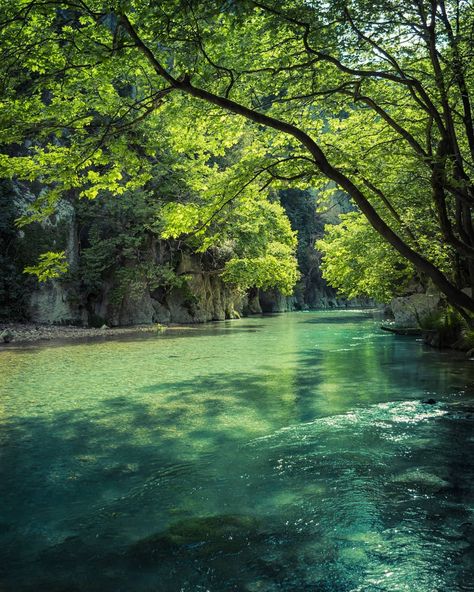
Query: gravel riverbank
pixel 23 333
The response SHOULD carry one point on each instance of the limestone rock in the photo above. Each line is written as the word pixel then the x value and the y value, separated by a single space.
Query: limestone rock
pixel 421 480
pixel 50 304
pixel 136 309
pixel 7 336
pixel 161 312
pixel 252 303
pixel 274 301
pixel 408 311
pixel 205 298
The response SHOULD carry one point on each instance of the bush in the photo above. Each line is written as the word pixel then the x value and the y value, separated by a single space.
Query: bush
pixel 447 323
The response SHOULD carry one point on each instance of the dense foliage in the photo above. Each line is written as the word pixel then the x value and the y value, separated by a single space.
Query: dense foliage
pixel 357 261
pixel 12 283
pixel 375 96
pixel 19 249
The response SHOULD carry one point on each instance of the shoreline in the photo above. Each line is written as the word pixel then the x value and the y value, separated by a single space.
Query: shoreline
pixel 34 333
pixel 28 333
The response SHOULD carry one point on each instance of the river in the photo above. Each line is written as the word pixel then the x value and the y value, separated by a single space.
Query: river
pixel 283 453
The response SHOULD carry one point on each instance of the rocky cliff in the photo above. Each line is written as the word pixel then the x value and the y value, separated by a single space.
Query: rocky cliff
pixel 119 274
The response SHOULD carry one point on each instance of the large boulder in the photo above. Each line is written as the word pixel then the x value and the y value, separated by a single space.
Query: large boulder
pixel 410 311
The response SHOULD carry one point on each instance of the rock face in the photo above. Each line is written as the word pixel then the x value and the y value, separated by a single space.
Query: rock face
pixel 134 309
pixel 53 302
pixel 204 298
pixel 208 299
pixel 76 299
pixel 274 301
pixel 409 311
pixel 63 301
pixel 50 304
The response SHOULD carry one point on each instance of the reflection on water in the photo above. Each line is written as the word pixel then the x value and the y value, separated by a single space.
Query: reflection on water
pixel 291 453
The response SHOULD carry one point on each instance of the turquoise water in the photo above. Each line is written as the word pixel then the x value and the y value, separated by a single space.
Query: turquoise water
pixel 286 453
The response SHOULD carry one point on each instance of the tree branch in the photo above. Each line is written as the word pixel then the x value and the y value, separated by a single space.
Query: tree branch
pixel 184 84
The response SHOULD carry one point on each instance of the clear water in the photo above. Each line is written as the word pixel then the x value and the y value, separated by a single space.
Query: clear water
pixel 286 453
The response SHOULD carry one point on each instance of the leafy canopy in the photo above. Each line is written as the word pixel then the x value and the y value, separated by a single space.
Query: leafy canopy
pixel 375 96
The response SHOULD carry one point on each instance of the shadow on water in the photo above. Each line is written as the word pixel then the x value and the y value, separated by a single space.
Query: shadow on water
pixel 101 504
pixel 95 504
pixel 324 475
pixel 81 488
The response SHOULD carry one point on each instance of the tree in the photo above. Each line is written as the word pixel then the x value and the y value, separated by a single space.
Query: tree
pixel 398 74
pixel 358 262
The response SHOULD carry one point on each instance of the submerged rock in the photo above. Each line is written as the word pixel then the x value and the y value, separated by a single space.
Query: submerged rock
pixel 203 536
pixel 421 479
pixel 261 586
pixel 119 470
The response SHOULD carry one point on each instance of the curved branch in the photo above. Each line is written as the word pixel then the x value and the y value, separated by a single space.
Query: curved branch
pixel 393 124
pixel 456 296
pixel 411 83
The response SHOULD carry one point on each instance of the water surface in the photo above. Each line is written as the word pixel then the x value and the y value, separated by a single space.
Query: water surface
pixel 289 453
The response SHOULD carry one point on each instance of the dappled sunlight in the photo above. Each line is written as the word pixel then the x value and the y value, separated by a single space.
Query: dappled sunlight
pixel 279 462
